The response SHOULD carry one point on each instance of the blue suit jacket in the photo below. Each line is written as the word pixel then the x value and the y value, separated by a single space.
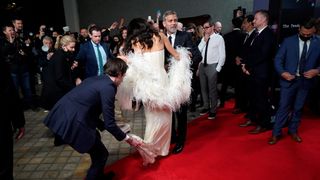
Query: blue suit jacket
pixel 287 58
pixel 87 58
pixel 75 116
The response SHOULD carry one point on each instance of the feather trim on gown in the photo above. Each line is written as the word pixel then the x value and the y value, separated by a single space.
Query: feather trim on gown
pixel 148 82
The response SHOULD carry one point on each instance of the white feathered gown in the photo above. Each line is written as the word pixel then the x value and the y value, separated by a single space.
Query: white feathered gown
pixel 160 92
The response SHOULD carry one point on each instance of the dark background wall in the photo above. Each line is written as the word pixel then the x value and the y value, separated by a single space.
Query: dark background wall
pixel 104 12
pixel 33 12
pixel 80 13
pixel 287 14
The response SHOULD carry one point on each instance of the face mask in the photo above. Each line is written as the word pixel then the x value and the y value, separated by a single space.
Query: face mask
pixel 70 55
pixel 45 48
pixel 304 38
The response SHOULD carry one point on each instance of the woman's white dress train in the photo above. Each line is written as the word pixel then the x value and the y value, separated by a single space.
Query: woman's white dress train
pixel 160 92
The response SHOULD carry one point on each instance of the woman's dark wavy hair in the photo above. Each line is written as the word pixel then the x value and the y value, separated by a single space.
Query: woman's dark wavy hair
pixel 139 30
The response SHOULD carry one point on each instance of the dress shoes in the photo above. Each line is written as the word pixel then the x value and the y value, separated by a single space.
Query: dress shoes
pixel 236 111
pixel 173 140
pixel 212 115
pixel 178 148
pixel 204 111
pixel 247 116
pixel 273 140
pixel 295 137
pixel 107 176
pixel 221 105
pixel 246 124
pixel 258 130
pixel 192 109
pixel 58 141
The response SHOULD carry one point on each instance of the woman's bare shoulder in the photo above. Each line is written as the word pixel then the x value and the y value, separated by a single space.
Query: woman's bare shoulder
pixel 158 38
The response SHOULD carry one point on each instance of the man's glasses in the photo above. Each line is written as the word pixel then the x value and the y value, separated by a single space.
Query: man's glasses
pixel 206 27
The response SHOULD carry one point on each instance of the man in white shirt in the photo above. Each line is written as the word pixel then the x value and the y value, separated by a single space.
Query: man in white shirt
pixel 212 49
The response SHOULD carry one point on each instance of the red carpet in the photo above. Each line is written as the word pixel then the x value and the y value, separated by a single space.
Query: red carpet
pixel 220 149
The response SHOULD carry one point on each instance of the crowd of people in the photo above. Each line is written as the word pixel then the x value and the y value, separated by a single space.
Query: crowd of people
pixel 169 70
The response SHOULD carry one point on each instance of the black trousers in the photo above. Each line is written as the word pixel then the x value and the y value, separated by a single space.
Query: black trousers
pixel 260 106
pixel 99 155
pixel 195 84
pixel 227 77
pixel 6 154
pixel 241 92
pixel 179 133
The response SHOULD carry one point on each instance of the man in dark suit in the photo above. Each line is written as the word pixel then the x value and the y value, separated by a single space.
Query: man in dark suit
pixel 258 67
pixel 297 62
pixel 230 72
pixel 93 54
pixel 248 27
pixel 182 39
pixel 12 117
pixel 75 116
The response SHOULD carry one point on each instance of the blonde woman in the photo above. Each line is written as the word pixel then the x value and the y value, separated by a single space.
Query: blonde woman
pixel 58 78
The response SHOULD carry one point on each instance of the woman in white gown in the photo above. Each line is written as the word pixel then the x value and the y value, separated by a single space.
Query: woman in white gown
pixel 147 81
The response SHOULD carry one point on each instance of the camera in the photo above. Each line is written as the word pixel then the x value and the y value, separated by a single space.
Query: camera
pixel 239 12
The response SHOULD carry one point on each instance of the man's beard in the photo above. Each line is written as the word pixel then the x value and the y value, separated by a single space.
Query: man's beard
pixel 172 30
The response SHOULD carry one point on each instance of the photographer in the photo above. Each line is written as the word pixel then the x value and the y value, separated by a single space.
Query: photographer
pixel 26 40
pixel 15 53
pixel 39 36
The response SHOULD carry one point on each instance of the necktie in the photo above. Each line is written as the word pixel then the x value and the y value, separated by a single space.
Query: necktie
pixel 170 39
pixel 302 62
pixel 255 36
pixel 205 53
pixel 100 61
pixel 245 39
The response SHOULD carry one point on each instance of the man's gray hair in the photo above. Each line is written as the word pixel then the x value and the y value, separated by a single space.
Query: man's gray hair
pixel 167 13
pixel 48 38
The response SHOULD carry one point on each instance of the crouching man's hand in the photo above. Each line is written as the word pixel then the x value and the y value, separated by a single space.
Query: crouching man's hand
pixel 133 141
